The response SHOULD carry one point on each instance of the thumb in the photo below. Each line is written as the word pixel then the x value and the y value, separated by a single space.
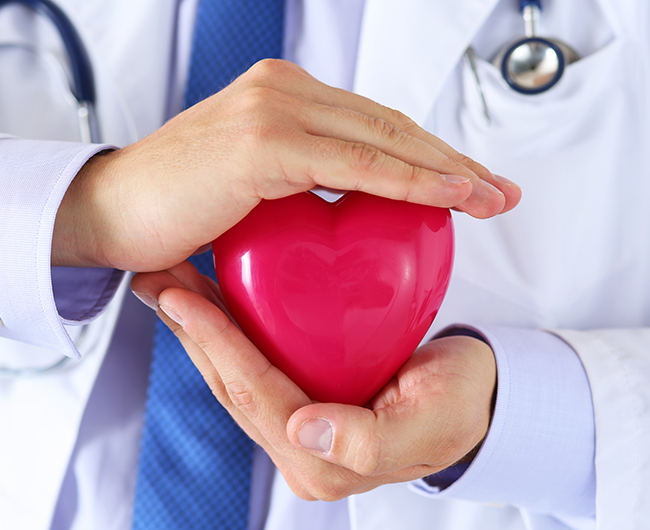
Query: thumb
pixel 367 442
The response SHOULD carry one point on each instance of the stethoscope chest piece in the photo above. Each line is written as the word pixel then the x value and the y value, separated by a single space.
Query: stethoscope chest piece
pixel 533 64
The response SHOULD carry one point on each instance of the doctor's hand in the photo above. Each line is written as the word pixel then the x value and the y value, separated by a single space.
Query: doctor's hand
pixel 432 414
pixel 273 132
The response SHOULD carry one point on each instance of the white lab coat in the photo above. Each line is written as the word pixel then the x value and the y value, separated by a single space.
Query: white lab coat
pixel 573 257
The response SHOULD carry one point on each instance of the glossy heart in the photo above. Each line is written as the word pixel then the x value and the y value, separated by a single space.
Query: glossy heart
pixel 336 295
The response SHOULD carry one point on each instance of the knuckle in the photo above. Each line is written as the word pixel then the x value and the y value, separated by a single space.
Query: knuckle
pixel 256 99
pixel 330 496
pixel 216 386
pixel 260 118
pixel 265 113
pixel 465 160
pixel 319 491
pixel 244 394
pixel 323 481
pixel 334 488
pixel 302 493
pixel 293 478
pixel 268 70
pixel 367 454
pixel 242 397
pixel 387 130
pixel 403 122
pixel 264 69
pixel 382 126
pixel 414 176
pixel 364 157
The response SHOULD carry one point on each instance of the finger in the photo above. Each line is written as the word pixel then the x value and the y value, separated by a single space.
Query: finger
pixel 259 397
pixel 202 249
pixel 485 199
pixel 491 194
pixel 301 84
pixel 182 275
pixel 511 191
pixel 354 126
pixel 218 298
pixel 153 284
pixel 198 356
pixel 252 386
pixel 263 417
pixel 393 440
pixel 148 286
pixel 357 166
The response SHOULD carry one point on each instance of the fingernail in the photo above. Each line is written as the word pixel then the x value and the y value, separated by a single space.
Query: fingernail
pixel 455 179
pixel 172 314
pixel 491 188
pixel 506 181
pixel 316 435
pixel 147 300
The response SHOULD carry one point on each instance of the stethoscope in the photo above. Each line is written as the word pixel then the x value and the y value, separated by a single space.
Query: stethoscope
pixel 531 65
pixel 534 64
pixel 79 75
pixel 81 83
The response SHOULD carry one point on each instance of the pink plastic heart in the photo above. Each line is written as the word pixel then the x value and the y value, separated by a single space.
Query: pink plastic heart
pixel 336 295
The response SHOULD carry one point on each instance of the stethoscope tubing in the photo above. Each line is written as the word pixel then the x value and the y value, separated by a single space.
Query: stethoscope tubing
pixel 82 82
pixel 523 4
pixel 82 86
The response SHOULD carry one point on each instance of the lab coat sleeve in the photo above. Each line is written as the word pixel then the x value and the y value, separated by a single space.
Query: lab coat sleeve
pixel 539 451
pixel 34 176
pixel 617 362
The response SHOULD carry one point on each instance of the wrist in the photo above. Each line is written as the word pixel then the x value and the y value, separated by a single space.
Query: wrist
pixel 79 229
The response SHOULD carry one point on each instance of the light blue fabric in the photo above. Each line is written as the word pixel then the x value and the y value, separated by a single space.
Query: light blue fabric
pixel 539 453
pixel 34 176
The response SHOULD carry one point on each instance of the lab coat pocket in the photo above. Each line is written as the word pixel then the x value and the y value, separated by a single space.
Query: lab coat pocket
pixel 569 149
pixel 580 92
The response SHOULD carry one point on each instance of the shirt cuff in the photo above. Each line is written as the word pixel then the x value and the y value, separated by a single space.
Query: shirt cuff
pixel 82 294
pixel 34 178
pixel 540 448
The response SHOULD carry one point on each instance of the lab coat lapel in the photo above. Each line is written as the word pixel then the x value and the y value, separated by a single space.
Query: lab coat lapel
pixel 407 73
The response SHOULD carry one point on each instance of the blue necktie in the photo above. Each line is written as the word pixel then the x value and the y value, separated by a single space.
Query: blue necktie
pixel 195 462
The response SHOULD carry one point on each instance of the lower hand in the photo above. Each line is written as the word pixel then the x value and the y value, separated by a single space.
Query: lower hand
pixel 273 132
pixel 429 416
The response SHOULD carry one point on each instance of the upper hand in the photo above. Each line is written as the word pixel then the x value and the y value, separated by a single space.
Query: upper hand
pixel 273 132
pixel 432 414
